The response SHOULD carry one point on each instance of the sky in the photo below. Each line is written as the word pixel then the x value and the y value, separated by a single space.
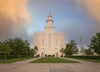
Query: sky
pixel 77 18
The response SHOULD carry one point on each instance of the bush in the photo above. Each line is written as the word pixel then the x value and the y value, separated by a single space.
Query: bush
pixel 38 55
pixel 53 55
pixel 13 56
pixel 45 55
pixel 61 56
pixel 49 56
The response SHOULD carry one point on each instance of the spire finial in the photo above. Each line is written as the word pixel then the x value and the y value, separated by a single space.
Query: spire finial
pixel 50 12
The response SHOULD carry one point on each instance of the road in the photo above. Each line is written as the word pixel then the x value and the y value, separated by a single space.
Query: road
pixel 25 66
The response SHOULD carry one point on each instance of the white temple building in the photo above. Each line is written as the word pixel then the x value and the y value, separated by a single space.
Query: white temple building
pixel 49 42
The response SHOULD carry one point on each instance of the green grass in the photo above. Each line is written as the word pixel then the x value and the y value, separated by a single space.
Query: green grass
pixel 52 60
pixel 13 60
pixel 90 60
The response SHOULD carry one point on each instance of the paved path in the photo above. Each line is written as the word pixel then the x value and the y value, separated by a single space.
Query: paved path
pixel 50 67
pixel 81 61
pixel 25 61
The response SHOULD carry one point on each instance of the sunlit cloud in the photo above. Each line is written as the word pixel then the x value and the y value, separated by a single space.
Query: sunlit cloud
pixel 13 17
pixel 93 8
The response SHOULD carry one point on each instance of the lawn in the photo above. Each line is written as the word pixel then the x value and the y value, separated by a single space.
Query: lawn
pixel 13 60
pixel 52 60
pixel 95 59
pixel 90 60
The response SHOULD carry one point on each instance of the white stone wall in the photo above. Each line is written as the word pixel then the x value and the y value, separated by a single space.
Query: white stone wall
pixel 49 43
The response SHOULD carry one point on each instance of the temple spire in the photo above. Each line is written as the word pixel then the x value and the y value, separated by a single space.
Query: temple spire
pixel 50 21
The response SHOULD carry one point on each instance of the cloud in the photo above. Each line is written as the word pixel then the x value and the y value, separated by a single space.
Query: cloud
pixel 13 18
pixel 93 9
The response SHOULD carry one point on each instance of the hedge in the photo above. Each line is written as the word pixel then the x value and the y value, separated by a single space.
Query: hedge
pixel 14 56
pixel 85 57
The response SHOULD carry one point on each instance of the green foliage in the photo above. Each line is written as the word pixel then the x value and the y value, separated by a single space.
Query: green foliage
pixel 95 43
pixel 14 60
pixel 71 48
pixel 16 47
pixel 35 49
pixel 49 55
pixel 45 55
pixel 5 49
pixel 62 51
pixel 2 57
pixel 53 55
pixel 88 52
pixel 85 57
pixel 38 55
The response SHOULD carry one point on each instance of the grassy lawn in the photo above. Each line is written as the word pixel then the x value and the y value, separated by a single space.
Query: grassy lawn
pixel 13 60
pixel 53 60
pixel 90 60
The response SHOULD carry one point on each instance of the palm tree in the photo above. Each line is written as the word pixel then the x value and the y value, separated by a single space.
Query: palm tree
pixel 62 51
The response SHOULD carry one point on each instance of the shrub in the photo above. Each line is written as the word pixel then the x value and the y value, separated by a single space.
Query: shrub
pixel 61 56
pixel 53 55
pixel 45 55
pixel 38 55
pixel 13 56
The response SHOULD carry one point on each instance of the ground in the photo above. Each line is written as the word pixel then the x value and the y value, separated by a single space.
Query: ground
pixel 25 66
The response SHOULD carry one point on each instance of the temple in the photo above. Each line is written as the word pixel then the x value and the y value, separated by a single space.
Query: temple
pixel 49 42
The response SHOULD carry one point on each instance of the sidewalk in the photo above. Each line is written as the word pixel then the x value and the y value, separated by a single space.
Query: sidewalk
pixel 81 61
pixel 25 61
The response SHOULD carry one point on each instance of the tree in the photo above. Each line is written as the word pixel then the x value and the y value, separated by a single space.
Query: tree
pixel 95 43
pixel 88 52
pixel 26 47
pixel 5 49
pixel 32 52
pixel 35 49
pixel 18 45
pixel 62 51
pixel 71 48
pixel 74 46
pixel 68 50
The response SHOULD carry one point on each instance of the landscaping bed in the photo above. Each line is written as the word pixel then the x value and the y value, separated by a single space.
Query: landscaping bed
pixel 52 60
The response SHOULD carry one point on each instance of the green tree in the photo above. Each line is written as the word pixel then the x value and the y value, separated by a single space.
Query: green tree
pixel 18 45
pixel 88 52
pixel 26 47
pixel 5 49
pixel 35 49
pixel 32 52
pixel 68 50
pixel 71 48
pixel 62 51
pixel 95 43
pixel 74 46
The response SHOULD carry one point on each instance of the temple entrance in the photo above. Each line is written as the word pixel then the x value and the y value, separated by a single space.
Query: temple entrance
pixel 42 54
pixel 57 54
